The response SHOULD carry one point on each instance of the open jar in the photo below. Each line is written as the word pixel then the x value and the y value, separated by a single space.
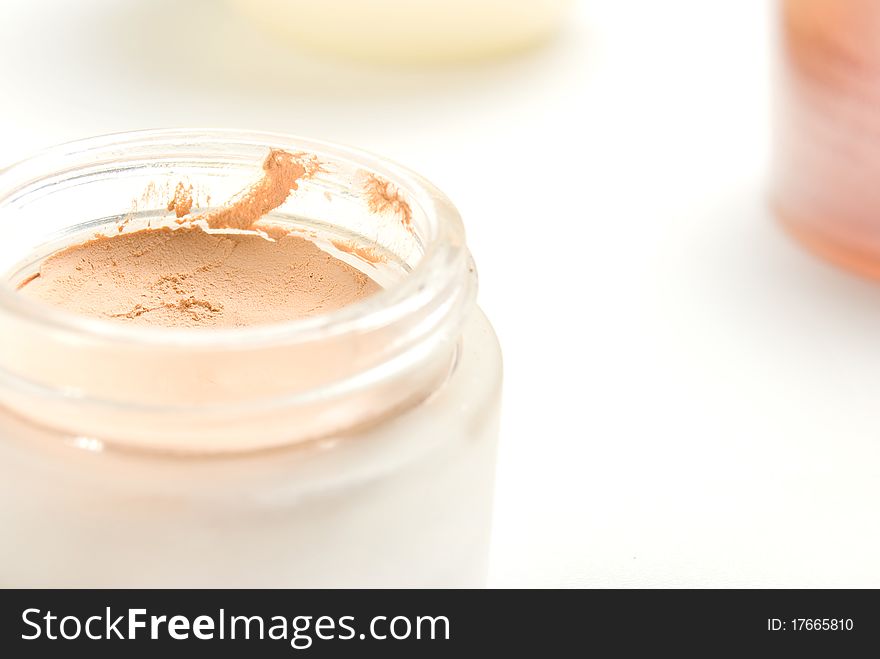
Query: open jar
pixel 353 448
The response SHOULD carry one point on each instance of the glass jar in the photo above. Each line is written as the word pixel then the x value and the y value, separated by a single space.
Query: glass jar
pixel 827 133
pixel 354 448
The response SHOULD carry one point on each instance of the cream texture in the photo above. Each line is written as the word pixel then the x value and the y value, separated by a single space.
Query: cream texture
pixel 191 276
pixel 188 277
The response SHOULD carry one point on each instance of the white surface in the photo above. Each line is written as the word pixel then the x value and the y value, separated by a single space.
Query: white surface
pixel 690 399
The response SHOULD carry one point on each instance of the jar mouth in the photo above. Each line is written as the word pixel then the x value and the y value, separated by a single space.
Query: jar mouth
pixel 441 262
pixel 206 389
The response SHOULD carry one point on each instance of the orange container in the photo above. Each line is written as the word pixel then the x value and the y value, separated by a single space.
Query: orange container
pixel 826 186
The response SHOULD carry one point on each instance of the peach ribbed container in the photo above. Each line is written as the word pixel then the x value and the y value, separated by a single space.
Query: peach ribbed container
pixel 826 185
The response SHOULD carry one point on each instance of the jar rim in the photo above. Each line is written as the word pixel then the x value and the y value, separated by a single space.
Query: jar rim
pixel 444 256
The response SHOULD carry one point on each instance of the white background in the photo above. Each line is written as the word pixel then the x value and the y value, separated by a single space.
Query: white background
pixel 690 399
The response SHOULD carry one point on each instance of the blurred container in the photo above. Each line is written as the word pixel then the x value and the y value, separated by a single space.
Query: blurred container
pixel 826 186
pixel 409 30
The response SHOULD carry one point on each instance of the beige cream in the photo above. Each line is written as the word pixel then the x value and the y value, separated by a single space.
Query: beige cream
pixel 188 277
pixel 212 271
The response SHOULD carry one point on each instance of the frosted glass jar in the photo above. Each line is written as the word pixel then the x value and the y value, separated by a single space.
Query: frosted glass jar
pixel 356 448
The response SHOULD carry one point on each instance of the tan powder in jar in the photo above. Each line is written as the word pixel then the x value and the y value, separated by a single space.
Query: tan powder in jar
pixel 191 277
pixel 187 277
